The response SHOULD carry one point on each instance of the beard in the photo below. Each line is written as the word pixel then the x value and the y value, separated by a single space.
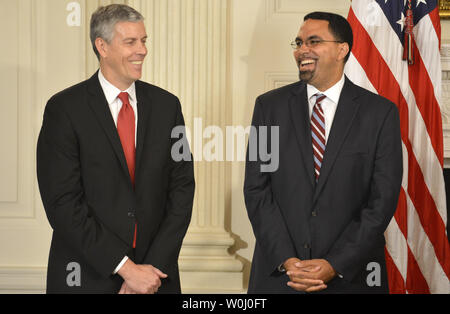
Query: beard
pixel 306 76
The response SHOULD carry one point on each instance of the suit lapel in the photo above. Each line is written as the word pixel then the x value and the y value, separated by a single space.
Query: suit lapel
pixel 298 105
pixel 144 112
pixel 99 105
pixel 343 119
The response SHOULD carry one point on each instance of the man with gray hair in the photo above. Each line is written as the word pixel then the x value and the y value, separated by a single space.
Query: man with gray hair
pixel 118 203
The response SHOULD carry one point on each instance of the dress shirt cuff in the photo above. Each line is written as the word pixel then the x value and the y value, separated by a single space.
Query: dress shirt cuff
pixel 281 268
pixel 120 265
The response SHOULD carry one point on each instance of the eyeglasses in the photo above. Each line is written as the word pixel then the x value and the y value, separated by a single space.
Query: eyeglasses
pixel 311 43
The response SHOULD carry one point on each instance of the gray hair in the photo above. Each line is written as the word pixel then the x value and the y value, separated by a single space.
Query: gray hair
pixel 105 19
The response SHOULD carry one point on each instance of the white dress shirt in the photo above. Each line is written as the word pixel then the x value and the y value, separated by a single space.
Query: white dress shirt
pixel 115 104
pixel 329 104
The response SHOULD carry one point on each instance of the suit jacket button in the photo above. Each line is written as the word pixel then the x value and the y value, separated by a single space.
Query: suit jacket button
pixel 131 214
pixel 306 246
pixel 314 213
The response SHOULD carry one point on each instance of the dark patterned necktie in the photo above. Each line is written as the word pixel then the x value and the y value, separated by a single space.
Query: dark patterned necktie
pixel 318 134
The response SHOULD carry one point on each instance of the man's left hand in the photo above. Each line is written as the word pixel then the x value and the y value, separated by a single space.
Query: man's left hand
pixel 315 269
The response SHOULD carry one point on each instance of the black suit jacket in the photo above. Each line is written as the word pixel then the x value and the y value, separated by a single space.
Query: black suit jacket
pixel 88 195
pixel 343 217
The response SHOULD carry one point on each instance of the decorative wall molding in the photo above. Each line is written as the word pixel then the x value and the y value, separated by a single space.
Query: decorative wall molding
pixel 278 79
pixel 445 101
pixel 282 7
pixel 17 114
pixel 205 256
pixel 280 10
pixel 22 280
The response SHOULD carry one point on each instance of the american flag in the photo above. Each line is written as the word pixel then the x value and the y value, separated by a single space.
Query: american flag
pixel 396 54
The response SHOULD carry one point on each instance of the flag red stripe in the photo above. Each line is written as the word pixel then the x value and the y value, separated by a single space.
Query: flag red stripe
pixel 384 82
pixel 401 213
pixel 436 21
pixel 396 281
pixel 426 102
pixel 415 282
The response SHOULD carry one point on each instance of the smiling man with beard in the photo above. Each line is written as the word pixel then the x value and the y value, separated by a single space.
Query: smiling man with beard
pixel 118 203
pixel 319 219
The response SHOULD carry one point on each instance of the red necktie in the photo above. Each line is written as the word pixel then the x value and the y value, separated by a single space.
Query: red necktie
pixel 126 129
pixel 318 134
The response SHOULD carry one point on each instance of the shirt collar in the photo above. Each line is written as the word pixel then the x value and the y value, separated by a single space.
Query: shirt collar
pixel 333 93
pixel 111 92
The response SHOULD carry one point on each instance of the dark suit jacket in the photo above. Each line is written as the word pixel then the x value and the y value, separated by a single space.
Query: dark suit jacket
pixel 342 218
pixel 88 195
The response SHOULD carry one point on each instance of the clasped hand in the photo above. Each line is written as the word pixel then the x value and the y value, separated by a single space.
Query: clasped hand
pixel 308 275
pixel 140 279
